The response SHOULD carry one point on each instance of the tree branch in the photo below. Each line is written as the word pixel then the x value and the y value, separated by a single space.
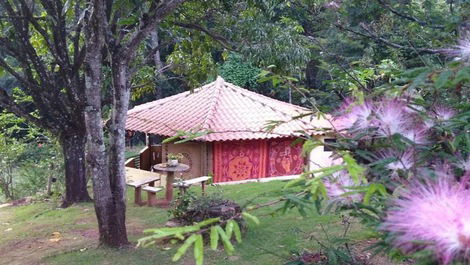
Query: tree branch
pixel 409 17
pixel 219 38
pixel 155 15
pixel 378 39
pixel 8 103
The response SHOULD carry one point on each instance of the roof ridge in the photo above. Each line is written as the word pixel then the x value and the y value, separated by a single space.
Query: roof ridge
pixel 243 91
pixel 247 91
pixel 218 83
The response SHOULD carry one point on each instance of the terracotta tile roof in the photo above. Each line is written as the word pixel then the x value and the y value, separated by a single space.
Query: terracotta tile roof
pixel 228 111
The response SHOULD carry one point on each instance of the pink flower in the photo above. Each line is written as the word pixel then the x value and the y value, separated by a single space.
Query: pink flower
pixel 338 188
pixel 433 216
pixel 417 135
pixel 461 51
pixel 353 115
pixel 332 5
pixel 404 160
pixel 392 117
pixel 443 113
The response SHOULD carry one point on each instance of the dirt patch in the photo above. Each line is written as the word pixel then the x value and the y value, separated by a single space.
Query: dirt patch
pixel 5 205
pixel 366 256
pixel 32 250
pixel 88 233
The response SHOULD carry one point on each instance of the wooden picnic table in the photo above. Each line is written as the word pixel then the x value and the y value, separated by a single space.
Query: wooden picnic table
pixel 138 178
pixel 170 177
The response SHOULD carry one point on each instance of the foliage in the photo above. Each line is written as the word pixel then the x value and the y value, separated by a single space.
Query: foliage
pixel 175 156
pixel 206 215
pixel 190 208
pixel 181 205
pixel 26 167
pixel 412 129
pixel 239 72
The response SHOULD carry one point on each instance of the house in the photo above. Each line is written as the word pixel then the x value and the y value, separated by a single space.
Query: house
pixel 235 144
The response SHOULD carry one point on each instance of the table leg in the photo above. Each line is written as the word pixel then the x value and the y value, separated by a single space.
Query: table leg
pixel 138 196
pixel 203 186
pixel 169 186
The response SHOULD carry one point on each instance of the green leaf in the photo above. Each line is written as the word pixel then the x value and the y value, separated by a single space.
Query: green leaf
pixel 294 182
pixel 207 222
pixel 214 238
pixel 227 244
pixel 187 243
pixel 229 229
pixel 66 7
pixel 127 21
pixel 443 78
pixel 236 231
pixel 251 218
pixel 419 80
pixel 354 169
pixel 462 75
pixel 370 191
pixel 199 250
pixel 309 145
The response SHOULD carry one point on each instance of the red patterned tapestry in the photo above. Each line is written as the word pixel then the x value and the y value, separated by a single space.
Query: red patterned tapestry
pixel 284 158
pixel 241 160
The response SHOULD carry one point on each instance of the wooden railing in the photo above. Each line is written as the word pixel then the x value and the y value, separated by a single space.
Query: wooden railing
pixel 147 157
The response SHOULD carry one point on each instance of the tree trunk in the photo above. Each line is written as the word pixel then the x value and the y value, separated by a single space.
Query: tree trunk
pixel 158 64
pixel 117 144
pixel 109 203
pixel 73 146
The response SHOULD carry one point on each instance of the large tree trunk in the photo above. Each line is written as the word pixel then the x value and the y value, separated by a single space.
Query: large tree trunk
pixel 73 146
pixel 117 144
pixel 108 189
pixel 107 172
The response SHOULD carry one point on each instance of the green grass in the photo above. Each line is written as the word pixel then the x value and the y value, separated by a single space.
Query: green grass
pixel 269 243
pixel 133 151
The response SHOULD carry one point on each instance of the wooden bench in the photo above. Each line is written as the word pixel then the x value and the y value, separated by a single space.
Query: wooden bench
pixel 185 184
pixel 151 194
pixel 137 178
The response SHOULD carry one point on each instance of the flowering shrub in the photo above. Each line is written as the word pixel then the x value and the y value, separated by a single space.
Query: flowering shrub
pixel 405 170
pixel 413 149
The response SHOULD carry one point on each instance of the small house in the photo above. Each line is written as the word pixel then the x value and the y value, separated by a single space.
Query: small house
pixel 244 135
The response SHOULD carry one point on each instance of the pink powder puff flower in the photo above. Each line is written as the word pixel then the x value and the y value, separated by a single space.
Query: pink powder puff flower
pixel 417 135
pixel 392 117
pixel 338 188
pixel 353 115
pixel 434 216
pixel 443 113
pixel 333 5
pixel 461 51
pixel 465 166
pixel 404 160
pixel 443 170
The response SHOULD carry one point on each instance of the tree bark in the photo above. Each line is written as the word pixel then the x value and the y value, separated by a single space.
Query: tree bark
pixel 158 64
pixel 108 172
pixel 73 146
pixel 107 188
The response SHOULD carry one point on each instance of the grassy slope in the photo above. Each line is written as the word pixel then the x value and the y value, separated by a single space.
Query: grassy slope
pixel 28 241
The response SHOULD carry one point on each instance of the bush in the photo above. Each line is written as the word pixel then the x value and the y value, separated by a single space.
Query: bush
pixel 190 209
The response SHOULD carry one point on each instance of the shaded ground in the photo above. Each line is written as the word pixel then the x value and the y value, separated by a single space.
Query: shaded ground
pixel 41 233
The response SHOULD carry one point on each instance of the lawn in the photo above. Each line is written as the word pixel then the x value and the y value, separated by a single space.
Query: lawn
pixel 27 237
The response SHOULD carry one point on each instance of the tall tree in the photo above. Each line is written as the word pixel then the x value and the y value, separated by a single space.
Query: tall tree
pixel 40 47
pixel 108 31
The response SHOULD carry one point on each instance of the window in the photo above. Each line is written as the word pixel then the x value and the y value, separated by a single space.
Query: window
pixel 327 147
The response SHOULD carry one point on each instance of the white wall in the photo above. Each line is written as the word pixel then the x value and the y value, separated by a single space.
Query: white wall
pixel 320 158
